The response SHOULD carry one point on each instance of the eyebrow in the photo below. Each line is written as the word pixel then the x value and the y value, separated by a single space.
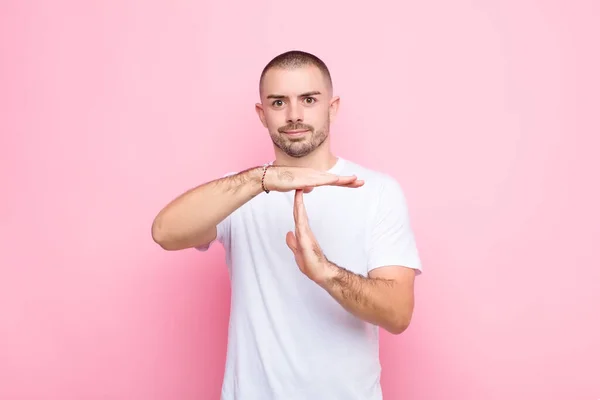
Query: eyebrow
pixel 279 96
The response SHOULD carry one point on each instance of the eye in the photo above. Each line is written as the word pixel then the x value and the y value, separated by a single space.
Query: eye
pixel 310 100
pixel 277 103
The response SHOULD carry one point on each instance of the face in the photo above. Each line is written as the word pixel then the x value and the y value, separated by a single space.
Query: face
pixel 297 108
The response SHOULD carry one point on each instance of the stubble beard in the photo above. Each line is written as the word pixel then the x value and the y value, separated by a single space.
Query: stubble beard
pixel 300 147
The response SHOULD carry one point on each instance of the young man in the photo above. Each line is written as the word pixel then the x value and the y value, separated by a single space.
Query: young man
pixel 319 249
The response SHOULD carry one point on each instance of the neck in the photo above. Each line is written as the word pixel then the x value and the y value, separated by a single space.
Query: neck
pixel 322 159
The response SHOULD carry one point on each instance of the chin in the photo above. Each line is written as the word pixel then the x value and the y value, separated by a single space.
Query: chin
pixel 297 151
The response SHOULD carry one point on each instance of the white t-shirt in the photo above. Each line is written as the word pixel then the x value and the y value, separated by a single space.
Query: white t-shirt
pixel 288 338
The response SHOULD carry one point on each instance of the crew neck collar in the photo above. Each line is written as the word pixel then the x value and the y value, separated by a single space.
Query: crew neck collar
pixel 337 167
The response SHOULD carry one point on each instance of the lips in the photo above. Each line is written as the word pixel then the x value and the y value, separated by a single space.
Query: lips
pixel 295 132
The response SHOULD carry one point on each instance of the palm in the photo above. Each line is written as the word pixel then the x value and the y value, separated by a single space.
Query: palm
pixel 307 252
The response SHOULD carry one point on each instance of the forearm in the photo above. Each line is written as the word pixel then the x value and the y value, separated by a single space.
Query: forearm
pixel 375 300
pixel 190 220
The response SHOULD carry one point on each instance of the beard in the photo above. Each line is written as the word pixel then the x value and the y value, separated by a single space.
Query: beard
pixel 300 147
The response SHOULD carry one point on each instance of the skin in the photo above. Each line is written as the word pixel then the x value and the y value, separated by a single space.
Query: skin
pixel 293 99
pixel 296 99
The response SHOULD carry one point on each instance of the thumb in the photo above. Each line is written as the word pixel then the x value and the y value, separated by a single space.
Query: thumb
pixel 290 239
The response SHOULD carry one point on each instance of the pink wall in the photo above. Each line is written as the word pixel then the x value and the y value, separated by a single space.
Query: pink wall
pixel 487 112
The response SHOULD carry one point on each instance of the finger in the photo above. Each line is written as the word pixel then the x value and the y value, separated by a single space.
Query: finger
pixel 338 181
pixel 349 182
pixel 355 184
pixel 300 214
pixel 296 194
pixel 298 205
pixel 323 179
pixel 352 184
pixel 291 241
pixel 345 180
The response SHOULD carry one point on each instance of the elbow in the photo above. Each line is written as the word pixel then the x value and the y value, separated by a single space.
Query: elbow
pixel 168 238
pixel 399 323
pixel 397 328
pixel 161 236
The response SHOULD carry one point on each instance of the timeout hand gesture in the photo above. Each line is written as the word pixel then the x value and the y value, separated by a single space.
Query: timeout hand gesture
pixel 309 256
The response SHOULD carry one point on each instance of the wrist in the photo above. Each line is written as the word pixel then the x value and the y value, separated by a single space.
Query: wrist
pixel 254 177
pixel 329 272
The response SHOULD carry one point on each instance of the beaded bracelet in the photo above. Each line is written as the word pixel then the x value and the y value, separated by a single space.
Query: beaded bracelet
pixel 265 167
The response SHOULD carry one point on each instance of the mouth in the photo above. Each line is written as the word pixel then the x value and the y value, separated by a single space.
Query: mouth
pixel 296 132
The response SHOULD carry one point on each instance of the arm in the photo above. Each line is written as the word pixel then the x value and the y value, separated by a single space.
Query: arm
pixel 384 298
pixel 190 220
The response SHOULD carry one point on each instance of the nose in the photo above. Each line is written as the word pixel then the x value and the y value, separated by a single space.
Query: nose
pixel 295 113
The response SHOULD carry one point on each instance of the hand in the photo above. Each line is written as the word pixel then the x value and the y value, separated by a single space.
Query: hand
pixel 285 179
pixel 309 256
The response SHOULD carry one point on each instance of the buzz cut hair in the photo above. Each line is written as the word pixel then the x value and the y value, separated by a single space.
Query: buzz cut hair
pixel 295 59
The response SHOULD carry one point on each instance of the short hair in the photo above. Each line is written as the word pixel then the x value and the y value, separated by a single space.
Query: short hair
pixel 295 59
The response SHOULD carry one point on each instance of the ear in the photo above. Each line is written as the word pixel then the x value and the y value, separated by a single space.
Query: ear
pixel 261 113
pixel 334 105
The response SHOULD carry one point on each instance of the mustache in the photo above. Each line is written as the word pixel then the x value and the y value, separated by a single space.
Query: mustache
pixel 295 127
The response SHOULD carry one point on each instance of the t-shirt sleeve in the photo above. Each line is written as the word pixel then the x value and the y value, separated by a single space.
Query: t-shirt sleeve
pixel 392 241
pixel 222 232
pixel 223 228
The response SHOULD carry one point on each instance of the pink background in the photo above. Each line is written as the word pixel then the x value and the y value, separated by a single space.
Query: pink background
pixel 485 111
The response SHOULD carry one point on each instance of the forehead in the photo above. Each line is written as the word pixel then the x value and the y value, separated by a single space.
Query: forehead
pixel 293 81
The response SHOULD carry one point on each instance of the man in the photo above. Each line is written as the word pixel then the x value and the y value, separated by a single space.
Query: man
pixel 318 258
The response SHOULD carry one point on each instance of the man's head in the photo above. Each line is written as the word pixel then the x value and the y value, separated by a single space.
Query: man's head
pixel 297 103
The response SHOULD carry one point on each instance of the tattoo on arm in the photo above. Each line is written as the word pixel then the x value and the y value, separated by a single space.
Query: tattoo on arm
pixel 284 175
